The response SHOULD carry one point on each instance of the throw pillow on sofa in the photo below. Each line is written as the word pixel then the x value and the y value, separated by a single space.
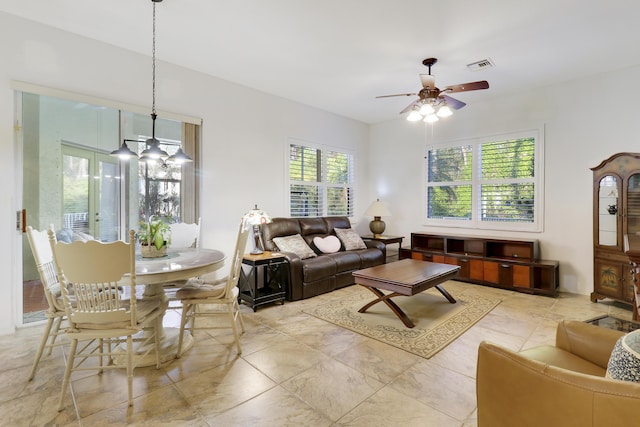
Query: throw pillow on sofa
pixel 295 244
pixel 327 245
pixel 350 239
pixel 624 363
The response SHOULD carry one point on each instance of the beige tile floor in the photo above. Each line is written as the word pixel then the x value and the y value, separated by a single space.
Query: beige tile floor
pixel 295 370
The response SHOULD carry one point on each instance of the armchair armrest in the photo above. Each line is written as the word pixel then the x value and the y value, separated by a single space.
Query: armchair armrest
pixel 590 342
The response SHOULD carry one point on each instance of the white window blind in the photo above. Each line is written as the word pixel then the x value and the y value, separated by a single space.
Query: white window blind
pixel 490 182
pixel 321 182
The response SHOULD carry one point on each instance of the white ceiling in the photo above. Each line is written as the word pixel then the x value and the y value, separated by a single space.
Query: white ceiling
pixel 338 55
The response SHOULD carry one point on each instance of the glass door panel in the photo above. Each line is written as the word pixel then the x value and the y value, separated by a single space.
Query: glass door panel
pixel 608 214
pixel 91 193
pixel 632 232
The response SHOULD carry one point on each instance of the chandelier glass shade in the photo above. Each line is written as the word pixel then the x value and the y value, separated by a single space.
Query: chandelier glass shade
pixel 153 152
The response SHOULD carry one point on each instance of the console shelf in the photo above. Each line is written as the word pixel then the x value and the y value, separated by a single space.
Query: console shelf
pixel 507 264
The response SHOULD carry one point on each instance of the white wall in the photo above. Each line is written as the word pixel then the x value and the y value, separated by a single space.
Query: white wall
pixel 585 122
pixel 243 155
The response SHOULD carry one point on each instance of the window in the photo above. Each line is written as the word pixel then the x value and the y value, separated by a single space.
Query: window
pixel 320 181
pixel 493 182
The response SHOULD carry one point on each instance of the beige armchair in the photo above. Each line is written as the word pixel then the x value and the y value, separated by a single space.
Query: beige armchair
pixel 562 385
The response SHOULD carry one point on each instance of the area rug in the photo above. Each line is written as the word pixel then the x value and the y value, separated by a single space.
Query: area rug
pixel 437 322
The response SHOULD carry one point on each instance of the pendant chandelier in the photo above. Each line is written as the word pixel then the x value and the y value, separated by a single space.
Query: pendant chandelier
pixel 153 152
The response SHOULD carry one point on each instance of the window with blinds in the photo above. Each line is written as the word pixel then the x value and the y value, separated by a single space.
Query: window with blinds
pixel 486 183
pixel 320 182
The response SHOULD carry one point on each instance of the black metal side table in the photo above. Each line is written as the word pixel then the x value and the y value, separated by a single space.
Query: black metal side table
pixel 273 268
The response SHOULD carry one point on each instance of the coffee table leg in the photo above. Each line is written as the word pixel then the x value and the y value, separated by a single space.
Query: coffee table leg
pixel 392 305
pixel 446 294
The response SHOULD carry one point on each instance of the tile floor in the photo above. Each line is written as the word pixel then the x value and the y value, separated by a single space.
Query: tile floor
pixel 295 370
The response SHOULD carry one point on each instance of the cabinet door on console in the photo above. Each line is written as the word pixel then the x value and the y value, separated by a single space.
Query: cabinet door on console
pixel 462 262
pixel 522 276
pixel 476 269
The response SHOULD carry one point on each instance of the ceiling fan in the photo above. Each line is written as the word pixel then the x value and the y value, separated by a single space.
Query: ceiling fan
pixel 432 102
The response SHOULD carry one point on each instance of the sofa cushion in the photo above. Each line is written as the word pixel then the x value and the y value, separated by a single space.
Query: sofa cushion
pixel 334 222
pixel 328 244
pixel 318 268
pixel 346 261
pixel 295 244
pixel 624 363
pixel 313 226
pixel 350 239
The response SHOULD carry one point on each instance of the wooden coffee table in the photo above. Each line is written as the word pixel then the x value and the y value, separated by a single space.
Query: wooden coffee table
pixel 406 277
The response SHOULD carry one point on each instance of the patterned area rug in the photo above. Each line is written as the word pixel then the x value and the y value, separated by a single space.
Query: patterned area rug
pixel 437 322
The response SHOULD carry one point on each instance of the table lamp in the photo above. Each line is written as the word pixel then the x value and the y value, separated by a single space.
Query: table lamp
pixel 377 209
pixel 256 217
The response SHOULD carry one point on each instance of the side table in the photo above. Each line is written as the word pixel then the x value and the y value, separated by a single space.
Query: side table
pixel 387 240
pixel 274 269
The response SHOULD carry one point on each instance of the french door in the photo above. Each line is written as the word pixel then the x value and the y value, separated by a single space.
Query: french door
pixel 90 193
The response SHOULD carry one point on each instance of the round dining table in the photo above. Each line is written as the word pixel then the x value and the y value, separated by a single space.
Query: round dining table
pixel 176 267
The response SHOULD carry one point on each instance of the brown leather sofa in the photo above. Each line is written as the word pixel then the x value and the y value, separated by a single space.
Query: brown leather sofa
pixel 325 272
pixel 552 386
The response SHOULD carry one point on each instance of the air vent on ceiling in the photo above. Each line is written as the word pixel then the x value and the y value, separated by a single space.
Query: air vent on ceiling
pixel 481 65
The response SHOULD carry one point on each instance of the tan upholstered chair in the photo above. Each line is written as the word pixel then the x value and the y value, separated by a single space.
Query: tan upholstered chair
pixel 99 317
pixel 223 292
pixel 55 314
pixel 562 385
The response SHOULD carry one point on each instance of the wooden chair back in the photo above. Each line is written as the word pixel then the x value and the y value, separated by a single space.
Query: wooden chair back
pixel 95 270
pixel 185 235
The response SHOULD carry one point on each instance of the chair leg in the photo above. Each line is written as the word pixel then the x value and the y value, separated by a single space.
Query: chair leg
pixel 43 344
pixel 130 368
pixel 67 373
pixel 183 322
pixel 239 314
pixel 234 327
pixel 54 334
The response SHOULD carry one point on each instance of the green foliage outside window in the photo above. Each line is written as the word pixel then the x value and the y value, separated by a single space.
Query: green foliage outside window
pixel 504 183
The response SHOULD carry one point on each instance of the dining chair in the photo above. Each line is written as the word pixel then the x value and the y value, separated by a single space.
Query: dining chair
pixel 100 316
pixel 55 312
pixel 183 236
pixel 221 292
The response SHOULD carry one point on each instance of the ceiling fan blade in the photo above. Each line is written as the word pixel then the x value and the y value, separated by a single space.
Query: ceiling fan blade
pixel 453 103
pixel 465 87
pixel 428 81
pixel 409 107
pixel 397 94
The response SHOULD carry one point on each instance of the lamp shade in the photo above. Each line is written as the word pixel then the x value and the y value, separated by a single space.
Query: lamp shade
pixel 377 208
pixel 256 216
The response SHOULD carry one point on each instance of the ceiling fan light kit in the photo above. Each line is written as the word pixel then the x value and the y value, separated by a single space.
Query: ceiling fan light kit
pixel 433 103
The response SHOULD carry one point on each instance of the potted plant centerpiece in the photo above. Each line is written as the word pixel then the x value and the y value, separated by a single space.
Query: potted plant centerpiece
pixel 154 237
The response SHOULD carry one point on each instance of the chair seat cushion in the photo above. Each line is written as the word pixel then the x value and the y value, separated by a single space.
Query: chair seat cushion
pixel 146 309
pixel 198 289
pixel 555 356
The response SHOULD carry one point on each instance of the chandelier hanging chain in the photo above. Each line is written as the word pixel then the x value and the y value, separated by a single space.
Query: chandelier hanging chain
pixel 153 64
